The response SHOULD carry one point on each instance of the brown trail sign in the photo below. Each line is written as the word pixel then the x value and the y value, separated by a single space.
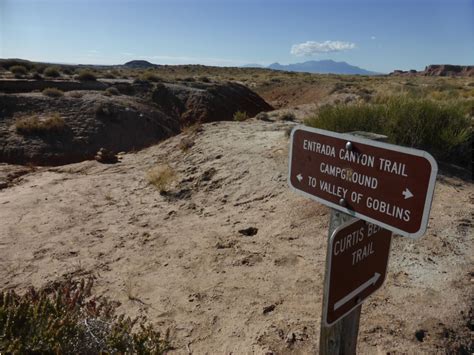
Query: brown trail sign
pixel 358 257
pixel 382 183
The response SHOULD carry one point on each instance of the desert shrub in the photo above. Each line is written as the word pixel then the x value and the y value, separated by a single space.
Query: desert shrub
pixel 112 91
pixel 204 79
pixel 161 177
pixel 18 70
pixel 150 76
pixel 240 116
pixel 65 319
pixel 39 68
pixel 53 92
pixel 287 116
pixel 76 94
pixel 347 118
pixel 442 128
pixel 37 76
pixel 51 72
pixel 86 75
pixel 8 63
pixel 68 70
pixel 109 75
pixel 52 123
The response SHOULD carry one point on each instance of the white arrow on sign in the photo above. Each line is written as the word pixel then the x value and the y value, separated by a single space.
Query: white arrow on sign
pixel 407 193
pixel 358 290
pixel 299 177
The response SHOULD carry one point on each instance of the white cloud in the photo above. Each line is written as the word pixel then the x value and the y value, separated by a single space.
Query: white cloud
pixel 373 37
pixel 310 47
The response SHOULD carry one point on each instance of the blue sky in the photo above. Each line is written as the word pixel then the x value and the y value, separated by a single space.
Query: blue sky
pixel 379 35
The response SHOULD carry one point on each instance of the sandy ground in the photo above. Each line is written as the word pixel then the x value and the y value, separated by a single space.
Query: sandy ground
pixel 181 260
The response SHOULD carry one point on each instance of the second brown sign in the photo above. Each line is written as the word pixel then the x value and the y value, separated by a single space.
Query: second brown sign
pixel 357 261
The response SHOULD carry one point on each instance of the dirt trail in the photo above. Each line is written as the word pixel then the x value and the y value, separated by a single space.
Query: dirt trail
pixel 181 260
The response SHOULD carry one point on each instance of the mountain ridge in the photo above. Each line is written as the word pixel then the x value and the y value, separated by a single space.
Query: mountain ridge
pixel 326 66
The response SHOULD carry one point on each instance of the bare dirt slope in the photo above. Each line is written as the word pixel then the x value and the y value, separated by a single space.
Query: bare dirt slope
pixel 180 259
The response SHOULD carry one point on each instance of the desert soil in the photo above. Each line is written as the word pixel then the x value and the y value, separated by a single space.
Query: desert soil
pixel 183 259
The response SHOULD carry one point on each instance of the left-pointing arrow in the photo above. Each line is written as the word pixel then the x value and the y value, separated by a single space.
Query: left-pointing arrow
pixel 358 290
pixel 299 177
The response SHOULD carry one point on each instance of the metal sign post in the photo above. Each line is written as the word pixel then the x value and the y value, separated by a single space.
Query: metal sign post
pixel 340 338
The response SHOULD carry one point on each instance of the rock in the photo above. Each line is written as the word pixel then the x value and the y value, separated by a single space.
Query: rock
pixel 249 232
pixel 268 309
pixel 117 123
pixel 439 70
pixel 207 102
pixel 449 70
pixel 106 156
pixel 420 335
pixel 92 122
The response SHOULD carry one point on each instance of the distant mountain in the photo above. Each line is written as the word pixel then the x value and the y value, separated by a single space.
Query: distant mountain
pixel 323 67
pixel 139 64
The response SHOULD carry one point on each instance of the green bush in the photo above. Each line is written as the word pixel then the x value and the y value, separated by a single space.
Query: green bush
pixel 86 75
pixel 65 319
pixel 53 92
pixel 240 116
pixel 51 72
pixel 18 70
pixel 442 128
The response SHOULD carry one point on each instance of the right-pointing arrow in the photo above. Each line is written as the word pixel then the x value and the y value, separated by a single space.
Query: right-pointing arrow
pixel 407 193
pixel 358 290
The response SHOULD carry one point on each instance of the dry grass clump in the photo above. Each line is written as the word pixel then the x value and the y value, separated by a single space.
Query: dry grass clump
pixel 86 75
pixel 76 94
pixel 64 319
pixel 240 116
pixel 162 177
pixel 53 92
pixel 111 91
pixel 52 123
pixel 150 76
pixel 51 72
pixel 185 144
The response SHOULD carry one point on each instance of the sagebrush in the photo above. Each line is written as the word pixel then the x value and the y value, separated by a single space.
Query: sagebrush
pixel 65 319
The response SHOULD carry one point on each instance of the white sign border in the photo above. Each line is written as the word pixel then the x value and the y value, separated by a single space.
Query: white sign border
pixel 411 151
pixel 329 265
